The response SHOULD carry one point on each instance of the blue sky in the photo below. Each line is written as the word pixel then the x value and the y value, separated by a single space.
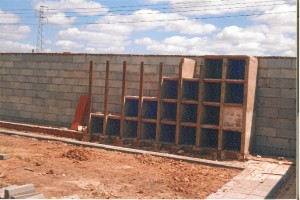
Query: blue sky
pixel 184 27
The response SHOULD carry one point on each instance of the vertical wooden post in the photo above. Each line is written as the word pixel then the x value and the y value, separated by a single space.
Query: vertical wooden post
pixel 123 99
pixel 199 108
pixel 141 92
pixel 160 82
pixel 106 98
pixel 178 111
pixel 90 96
pixel 222 100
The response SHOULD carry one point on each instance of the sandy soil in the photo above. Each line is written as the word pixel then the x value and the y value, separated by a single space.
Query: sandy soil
pixel 58 170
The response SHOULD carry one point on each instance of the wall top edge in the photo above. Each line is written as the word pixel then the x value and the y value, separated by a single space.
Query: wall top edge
pixel 148 55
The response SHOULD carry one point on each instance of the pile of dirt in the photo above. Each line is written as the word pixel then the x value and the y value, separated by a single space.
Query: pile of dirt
pixel 77 154
pixel 149 159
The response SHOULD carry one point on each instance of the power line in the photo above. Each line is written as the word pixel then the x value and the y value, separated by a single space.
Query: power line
pixel 170 20
pixel 91 10
pixel 180 11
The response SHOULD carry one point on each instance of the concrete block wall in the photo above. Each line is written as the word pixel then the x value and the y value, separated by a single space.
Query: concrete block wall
pixel 45 88
pixel 276 107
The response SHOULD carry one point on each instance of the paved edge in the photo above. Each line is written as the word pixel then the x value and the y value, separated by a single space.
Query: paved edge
pixel 280 183
pixel 123 149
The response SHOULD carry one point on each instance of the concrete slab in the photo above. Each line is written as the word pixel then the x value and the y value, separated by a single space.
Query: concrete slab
pixel 4 156
pixel 260 180
pixel 27 196
pixel 18 190
pixel 3 189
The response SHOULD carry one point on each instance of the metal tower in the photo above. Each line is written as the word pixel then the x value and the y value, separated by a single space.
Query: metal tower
pixel 40 35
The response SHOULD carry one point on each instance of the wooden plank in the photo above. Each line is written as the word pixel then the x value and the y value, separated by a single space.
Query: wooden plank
pixel 160 82
pixel 178 108
pixel 123 99
pixel 222 100
pixel 81 110
pixel 199 108
pixel 90 96
pixel 141 92
pixel 106 98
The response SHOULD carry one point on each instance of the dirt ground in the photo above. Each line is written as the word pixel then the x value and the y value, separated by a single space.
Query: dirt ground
pixel 57 170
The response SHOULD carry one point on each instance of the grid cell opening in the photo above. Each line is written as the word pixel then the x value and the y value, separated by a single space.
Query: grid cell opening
pixel 167 134
pixel 168 111
pixel 209 138
pixel 130 129
pixel 169 89
pixel 187 135
pixel 213 68
pixel 190 90
pixel 189 113
pixel 148 131
pixel 131 107
pixel 234 93
pixel 149 110
pixel 210 115
pixel 231 140
pixel 96 125
pixel 113 127
pixel 212 92
pixel 236 69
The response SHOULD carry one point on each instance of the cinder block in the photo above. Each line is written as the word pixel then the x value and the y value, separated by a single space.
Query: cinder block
pixel 282 83
pixel 39 86
pixel 275 62
pixel 169 70
pixel 25 114
pixel 65 88
pixel 263 82
pixel 274 73
pixel 287 113
pixel 288 73
pixel 45 80
pixel 26 100
pixel 267 102
pixel 14 99
pixel 21 78
pixel 292 144
pixel 266 131
pixel 4 156
pixel 79 58
pixel 39 72
pixel 84 82
pixel 30 93
pixel 33 79
pixel 261 140
pixel 115 84
pixel 27 72
pixel 18 92
pixel 287 103
pixel 278 142
pixel 34 195
pixel 284 123
pixel 69 96
pixel 116 76
pixel 286 133
pixel 18 190
pixel 38 101
pixel 50 117
pixel 80 89
pixel 80 74
pixel 52 73
pixel 288 93
pixel 58 81
pixel 26 86
pixel 269 92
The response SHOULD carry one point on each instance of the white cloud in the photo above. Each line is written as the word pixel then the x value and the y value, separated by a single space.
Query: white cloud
pixel 10 46
pixel 8 18
pixel 13 32
pixel 153 19
pixel 84 7
pixel 218 7
pixel 60 19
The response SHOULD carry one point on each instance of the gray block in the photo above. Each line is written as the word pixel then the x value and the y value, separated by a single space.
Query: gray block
pixel 278 142
pixel 276 62
pixel 274 73
pixel 266 131
pixel 288 113
pixel 267 112
pixel 288 73
pixel 18 190
pixel 3 189
pixel 4 156
pixel 288 93
pixel 286 133
pixel 269 92
pixel 283 82
pixel 34 195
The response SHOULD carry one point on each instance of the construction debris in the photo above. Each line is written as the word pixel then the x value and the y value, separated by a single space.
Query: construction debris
pixel 20 192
